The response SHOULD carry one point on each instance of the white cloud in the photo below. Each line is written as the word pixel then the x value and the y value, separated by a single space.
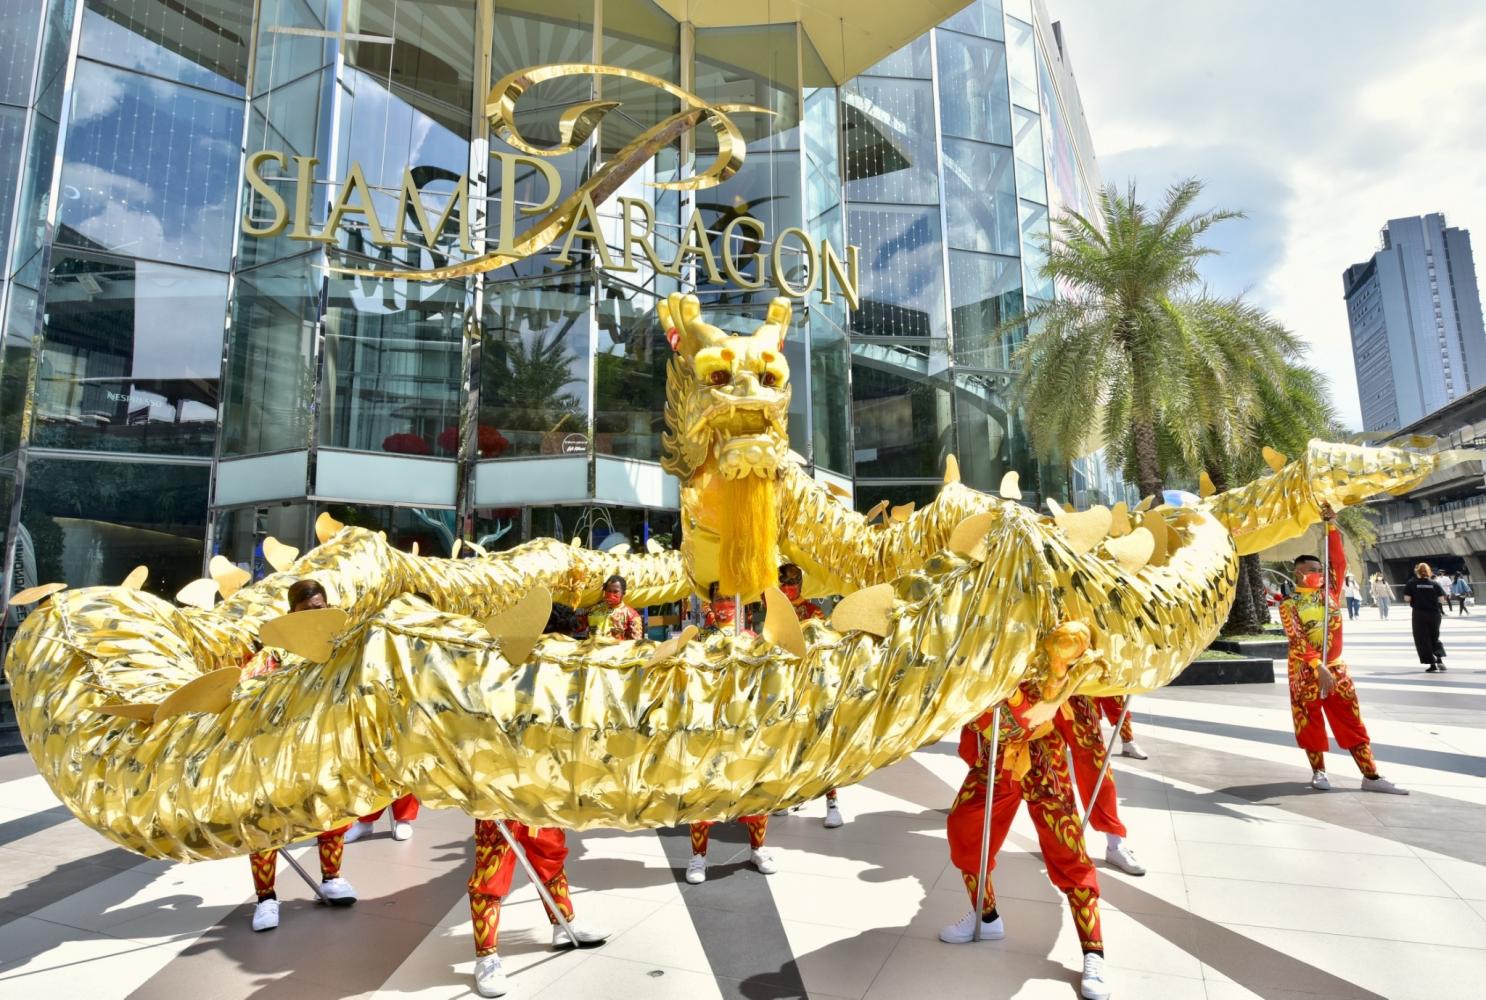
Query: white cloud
pixel 1321 120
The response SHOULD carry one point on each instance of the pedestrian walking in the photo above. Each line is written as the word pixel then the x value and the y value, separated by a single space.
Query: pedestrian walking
pixel 1353 594
pixel 1382 595
pixel 1460 591
pixel 1426 599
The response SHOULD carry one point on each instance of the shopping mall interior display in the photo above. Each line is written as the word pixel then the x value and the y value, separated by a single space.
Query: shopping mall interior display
pixel 146 718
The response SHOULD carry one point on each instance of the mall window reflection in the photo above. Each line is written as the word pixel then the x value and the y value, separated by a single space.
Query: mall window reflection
pixel 131 358
pixel 238 533
pixel 902 414
pixel 986 296
pixel 830 395
pixel 973 87
pixel 204 46
pixel 534 367
pixel 629 370
pixel 268 387
pixel 980 185
pixel 992 437
pixel 903 254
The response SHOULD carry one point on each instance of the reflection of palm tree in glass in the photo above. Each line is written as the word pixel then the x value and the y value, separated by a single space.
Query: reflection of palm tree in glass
pixel 524 382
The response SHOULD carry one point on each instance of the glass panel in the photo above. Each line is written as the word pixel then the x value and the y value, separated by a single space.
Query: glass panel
pixel 912 60
pixel 292 120
pixel 972 88
pixel 18 30
pixel 151 169
pixel 427 72
pixel 15 376
pixel 890 153
pixel 980 183
pixel 283 56
pixel 629 375
pixel 205 45
pixel 638 35
pixel 1031 180
pixel 35 183
pixel 239 533
pixel 753 65
pixel 90 523
pixel 431 528
pixel 869 494
pixel 993 440
pixel 983 18
pixel 902 270
pixel 131 359
pixel 985 292
pixel 830 395
pixel 269 386
pixel 901 412
pixel 12 127
pixel 534 367
pixel 1022 62
pixel 390 372
pixel 1034 250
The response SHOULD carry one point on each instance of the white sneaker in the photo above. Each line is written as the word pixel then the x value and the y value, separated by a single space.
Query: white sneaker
pixel 1382 784
pixel 1092 986
pixel 1123 858
pixel 1129 749
pixel 402 831
pixel 763 861
pixel 833 816
pixel 357 831
pixel 585 934
pixel 1320 782
pixel 338 892
pixel 490 978
pixel 962 931
pixel 696 869
pixel 266 915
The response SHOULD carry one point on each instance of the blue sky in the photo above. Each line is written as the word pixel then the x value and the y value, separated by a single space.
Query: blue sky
pixel 1321 119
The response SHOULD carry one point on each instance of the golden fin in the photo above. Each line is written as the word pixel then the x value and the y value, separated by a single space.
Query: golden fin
pixel 1276 460
pixel 871 515
pixel 902 512
pixel 137 578
pixel 208 693
pixel 653 547
pixel 1205 487
pixel 454 549
pixel 672 646
pixel 865 611
pixel 951 469
pixel 477 548
pixel 622 549
pixel 1120 520
pixel 310 634
pixel 1160 535
pixel 520 626
pixel 968 538
pixel 1132 551
pixel 836 491
pixel 1087 528
pixel 230 579
pixel 1011 486
pixel 1055 507
pixel 33 594
pixel 1146 504
pixel 198 594
pixel 781 624
pixel 577 542
pixel 278 555
pixel 327 527
pixel 139 713
pixel 414 550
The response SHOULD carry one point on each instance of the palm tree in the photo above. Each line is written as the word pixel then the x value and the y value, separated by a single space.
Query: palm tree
pixel 1134 338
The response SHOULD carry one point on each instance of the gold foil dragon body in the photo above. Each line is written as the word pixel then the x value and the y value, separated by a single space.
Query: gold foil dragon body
pixel 142 719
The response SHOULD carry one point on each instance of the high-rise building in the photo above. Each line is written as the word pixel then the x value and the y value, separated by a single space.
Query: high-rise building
pixel 1415 312
pixel 190 361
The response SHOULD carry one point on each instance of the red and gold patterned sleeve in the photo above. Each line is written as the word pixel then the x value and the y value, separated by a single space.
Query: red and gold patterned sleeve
pixel 1336 556
pixel 1300 644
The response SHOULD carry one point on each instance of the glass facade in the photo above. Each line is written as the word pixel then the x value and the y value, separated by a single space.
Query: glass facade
pixel 172 387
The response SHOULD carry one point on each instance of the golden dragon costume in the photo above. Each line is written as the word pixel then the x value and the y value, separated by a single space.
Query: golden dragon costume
pixel 140 716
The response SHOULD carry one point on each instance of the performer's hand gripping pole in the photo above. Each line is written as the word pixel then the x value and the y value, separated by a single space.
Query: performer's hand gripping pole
pixel 1108 759
pixel 985 826
pixel 540 886
pixel 319 896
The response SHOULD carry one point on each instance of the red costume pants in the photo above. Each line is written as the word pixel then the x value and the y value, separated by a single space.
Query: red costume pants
pixel 404 810
pixel 495 866
pixel 702 832
pixel 1310 713
pixel 265 864
pixel 1085 741
pixel 1049 796
pixel 1112 706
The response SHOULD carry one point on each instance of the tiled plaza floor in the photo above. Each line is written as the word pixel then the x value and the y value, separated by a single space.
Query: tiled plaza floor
pixel 1258 886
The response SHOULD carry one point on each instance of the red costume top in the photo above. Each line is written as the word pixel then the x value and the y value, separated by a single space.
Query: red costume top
pixel 620 622
pixel 806 610
pixel 1302 616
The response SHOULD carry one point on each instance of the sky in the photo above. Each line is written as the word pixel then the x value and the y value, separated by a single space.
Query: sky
pixel 1321 119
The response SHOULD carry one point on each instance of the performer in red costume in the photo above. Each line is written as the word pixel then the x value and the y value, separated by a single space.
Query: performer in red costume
pixel 495 867
pixel 304 595
pixel 724 614
pixel 1112 707
pixel 1320 689
pixel 792 584
pixel 1078 723
pixel 613 617
pixel 1032 766
pixel 404 811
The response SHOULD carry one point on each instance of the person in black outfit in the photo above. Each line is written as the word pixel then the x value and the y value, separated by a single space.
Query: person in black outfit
pixel 1427 599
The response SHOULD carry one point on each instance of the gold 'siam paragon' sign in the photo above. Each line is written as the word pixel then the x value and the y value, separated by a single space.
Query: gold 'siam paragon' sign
pixel 575 217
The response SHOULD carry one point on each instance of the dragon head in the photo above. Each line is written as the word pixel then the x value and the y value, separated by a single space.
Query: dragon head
pixel 727 397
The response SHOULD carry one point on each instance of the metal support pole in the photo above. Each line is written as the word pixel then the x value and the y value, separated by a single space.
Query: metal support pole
pixel 738 614
pixel 304 875
pixel 541 886
pixel 1325 594
pixel 1108 759
pixel 985 826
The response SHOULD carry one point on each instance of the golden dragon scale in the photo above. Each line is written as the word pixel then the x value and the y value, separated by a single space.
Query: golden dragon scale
pixel 583 735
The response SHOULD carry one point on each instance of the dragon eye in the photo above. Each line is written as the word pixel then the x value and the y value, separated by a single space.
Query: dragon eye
pixel 770 379
pixel 720 377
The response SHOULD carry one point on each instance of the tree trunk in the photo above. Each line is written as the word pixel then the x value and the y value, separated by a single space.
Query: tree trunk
pixel 1261 596
pixel 1147 460
pixel 1247 616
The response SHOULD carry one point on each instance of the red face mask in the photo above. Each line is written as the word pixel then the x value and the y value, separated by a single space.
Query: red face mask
pixel 612 599
pixel 1311 581
pixel 792 591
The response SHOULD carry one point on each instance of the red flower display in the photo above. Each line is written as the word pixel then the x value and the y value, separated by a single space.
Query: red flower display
pixel 490 442
pixel 406 444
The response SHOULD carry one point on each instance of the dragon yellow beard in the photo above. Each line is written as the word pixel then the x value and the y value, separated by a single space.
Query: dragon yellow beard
pixel 137 717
